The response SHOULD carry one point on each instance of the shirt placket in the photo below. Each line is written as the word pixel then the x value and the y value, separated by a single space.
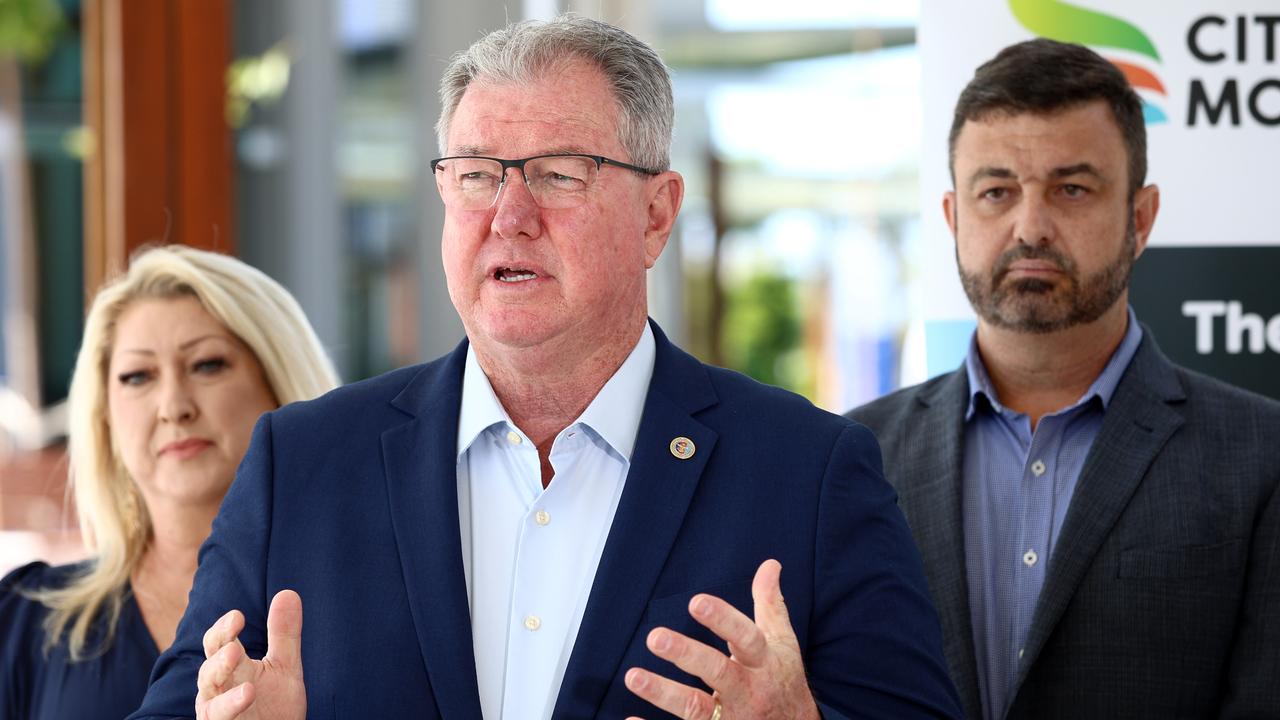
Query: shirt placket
pixel 531 621
pixel 1036 492
pixel 540 613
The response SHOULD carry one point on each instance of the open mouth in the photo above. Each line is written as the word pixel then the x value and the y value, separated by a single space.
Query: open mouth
pixel 513 275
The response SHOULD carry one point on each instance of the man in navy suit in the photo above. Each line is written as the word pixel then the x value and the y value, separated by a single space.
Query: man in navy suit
pixel 567 516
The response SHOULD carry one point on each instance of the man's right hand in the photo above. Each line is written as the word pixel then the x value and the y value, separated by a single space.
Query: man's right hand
pixel 232 685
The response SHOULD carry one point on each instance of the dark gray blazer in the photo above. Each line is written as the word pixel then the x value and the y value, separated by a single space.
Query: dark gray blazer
pixel 1162 598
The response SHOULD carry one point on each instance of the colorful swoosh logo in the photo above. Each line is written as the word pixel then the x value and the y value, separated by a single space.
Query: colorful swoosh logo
pixel 1064 22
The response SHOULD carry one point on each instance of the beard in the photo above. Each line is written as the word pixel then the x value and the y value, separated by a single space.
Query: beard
pixel 1032 305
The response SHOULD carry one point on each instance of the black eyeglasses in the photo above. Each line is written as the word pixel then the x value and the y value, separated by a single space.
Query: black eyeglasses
pixel 556 181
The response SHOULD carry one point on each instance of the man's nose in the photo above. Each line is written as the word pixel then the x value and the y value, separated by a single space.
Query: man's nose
pixel 1034 221
pixel 515 210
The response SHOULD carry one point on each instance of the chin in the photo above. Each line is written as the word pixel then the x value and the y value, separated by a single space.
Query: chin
pixel 199 485
pixel 193 497
pixel 515 329
pixel 1036 319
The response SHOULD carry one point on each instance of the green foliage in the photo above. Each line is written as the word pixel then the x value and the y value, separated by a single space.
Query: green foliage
pixel 763 329
pixel 259 80
pixel 28 28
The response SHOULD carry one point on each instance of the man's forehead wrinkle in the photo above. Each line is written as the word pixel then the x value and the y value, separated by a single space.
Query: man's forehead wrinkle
pixel 533 123
pixel 1059 172
pixel 1027 157
pixel 483 136
pixel 531 109
pixel 570 90
pixel 991 171
pixel 484 151
pixel 550 130
pixel 1080 168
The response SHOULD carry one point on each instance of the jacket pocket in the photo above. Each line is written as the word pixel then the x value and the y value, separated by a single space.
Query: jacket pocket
pixel 676 605
pixel 1189 561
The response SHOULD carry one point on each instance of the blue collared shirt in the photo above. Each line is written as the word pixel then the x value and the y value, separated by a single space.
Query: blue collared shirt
pixel 1017 486
pixel 530 555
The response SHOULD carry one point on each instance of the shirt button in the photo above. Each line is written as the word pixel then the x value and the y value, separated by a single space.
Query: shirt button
pixel 513 437
pixel 1020 651
pixel 532 622
pixel 1030 557
pixel 1038 468
pixel 542 517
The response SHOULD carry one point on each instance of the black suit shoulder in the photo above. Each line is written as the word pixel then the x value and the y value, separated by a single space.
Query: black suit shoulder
pixel 1221 425
pixel 1211 395
pixel 1229 433
pixel 900 404
pixel 909 422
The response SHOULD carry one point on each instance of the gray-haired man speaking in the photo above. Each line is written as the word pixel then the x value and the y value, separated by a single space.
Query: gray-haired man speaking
pixel 567 516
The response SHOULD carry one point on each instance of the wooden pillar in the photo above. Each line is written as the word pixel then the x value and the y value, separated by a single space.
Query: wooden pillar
pixel 155 99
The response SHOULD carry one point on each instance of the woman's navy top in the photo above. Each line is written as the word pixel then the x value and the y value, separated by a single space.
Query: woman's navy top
pixel 36 684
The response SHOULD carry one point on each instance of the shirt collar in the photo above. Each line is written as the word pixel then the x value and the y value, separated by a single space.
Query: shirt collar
pixel 480 407
pixel 614 413
pixel 1103 387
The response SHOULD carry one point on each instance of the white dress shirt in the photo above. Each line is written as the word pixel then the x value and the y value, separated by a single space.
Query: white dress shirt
pixel 529 554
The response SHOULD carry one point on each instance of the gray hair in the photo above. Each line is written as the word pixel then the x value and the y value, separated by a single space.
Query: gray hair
pixel 527 51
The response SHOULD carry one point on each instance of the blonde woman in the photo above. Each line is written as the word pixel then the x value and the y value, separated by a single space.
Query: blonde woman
pixel 180 357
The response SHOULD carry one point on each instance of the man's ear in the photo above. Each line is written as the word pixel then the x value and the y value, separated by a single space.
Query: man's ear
pixel 665 193
pixel 1146 205
pixel 949 210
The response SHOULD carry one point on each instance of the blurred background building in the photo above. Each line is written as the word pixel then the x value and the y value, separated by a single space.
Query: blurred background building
pixel 296 135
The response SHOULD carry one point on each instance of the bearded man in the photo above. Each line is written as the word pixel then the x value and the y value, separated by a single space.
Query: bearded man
pixel 1100 527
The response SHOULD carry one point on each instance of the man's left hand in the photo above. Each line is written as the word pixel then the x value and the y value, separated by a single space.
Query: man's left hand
pixel 763 677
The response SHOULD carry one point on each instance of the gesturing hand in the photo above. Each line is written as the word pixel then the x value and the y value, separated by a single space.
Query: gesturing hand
pixel 764 676
pixel 231 685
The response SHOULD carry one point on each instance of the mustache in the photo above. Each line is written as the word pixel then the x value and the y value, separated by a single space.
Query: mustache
pixel 1029 252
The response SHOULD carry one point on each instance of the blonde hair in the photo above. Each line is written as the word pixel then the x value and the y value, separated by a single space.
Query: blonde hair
pixel 113 516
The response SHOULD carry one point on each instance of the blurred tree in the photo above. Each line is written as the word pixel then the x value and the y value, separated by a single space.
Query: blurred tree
pixel 27 28
pixel 763 329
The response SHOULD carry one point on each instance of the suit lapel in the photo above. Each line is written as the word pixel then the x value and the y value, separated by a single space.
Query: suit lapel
pixel 1137 424
pixel 932 499
pixel 652 508
pixel 420 458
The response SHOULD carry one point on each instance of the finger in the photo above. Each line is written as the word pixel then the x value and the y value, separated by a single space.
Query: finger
pixel 746 641
pixel 217 672
pixel 230 704
pixel 770 609
pixel 223 631
pixel 698 659
pixel 677 699
pixel 284 629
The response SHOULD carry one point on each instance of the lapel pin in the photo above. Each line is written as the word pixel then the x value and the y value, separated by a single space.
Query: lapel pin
pixel 683 448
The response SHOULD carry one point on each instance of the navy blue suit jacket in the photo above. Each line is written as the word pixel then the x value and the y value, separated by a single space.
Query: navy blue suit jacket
pixel 351 500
